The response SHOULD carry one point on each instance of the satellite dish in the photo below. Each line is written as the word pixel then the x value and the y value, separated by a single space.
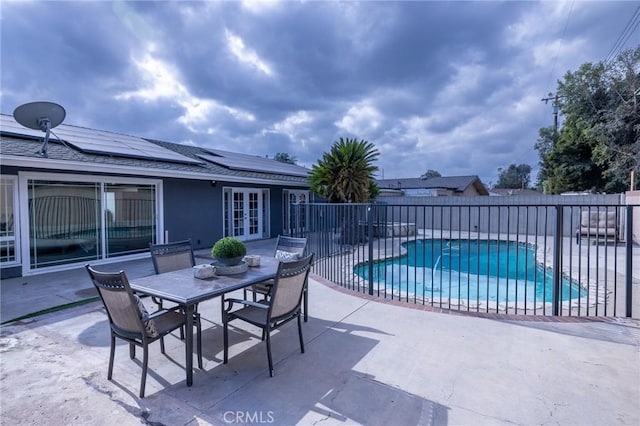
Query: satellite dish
pixel 40 116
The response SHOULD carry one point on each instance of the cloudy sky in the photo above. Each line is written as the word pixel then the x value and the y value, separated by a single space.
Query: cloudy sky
pixel 450 86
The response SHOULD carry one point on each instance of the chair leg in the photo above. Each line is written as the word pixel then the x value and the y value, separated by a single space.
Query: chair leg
pixel 300 334
pixel 305 302
pixel 132 350
pixel 145 361
pixel 162 344
pixel 268 333
pixel 111 356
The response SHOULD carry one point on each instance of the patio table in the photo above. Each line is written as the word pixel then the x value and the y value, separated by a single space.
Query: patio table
pixel 183 288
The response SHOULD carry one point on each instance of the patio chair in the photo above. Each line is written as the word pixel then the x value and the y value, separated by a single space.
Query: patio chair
pixel 287 248
pixel 600 224
pixel 129 320
pixel 171 257
pixel 282 305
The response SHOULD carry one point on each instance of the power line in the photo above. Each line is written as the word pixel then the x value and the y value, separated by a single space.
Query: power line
pixel 628 30
pixel 564 31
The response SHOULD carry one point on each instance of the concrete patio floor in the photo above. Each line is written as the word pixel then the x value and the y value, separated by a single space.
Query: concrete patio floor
pixel 366 362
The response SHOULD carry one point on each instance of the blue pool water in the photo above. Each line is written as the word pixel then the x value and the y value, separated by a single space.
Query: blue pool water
pixel 482 270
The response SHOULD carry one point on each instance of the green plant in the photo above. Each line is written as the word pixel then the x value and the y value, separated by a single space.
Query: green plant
pixel 228 247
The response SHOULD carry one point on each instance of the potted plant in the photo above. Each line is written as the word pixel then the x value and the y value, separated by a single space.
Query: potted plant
pixel 229 251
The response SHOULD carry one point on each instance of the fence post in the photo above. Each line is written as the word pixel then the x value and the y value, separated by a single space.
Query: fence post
pixel 628 243
pixel 557 261
pixel 370 244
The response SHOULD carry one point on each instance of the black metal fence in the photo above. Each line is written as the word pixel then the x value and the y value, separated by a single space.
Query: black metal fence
pixel 570 260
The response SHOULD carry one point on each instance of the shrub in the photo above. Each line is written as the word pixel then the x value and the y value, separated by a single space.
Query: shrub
pixel 228 247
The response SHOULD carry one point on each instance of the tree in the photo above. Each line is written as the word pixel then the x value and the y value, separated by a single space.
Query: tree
pixel 619 132
pixel 599 143
pixel 346 173
pixel 514 177
pixel 430 174
pixel 545 143
pixel 283 157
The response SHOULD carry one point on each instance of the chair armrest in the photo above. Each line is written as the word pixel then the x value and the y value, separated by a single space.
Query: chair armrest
pixel 245 302
pixel 161 312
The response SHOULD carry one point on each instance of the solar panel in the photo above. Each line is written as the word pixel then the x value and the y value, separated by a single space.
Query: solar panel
pixel 253 163
pixel 9 125
pixel 101 142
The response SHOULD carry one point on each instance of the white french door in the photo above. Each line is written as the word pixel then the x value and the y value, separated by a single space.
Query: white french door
pixel 246 214
pixel 294 211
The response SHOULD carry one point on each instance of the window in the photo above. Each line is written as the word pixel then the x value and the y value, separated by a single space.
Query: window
pixel 64 222
pixel 75 220
pixel 294 210
pixel 8 203
pixel 129 218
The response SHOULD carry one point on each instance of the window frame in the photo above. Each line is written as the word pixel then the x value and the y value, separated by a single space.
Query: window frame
pixel 23 202
pixel 16 224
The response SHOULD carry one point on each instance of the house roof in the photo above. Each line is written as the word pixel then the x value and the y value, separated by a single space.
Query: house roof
pixel 19 148
pixel 453 183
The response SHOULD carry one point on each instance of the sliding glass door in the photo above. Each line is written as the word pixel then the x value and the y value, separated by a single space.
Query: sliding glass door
pixel 73 221
pixel 64 222
pixel 130 218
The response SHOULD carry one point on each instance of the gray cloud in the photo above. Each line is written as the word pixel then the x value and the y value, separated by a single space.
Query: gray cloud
pixel 451 86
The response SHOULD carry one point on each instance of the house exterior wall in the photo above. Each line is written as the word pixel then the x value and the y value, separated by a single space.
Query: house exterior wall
pixel 470 191
pixel 189 209
pixel 192 209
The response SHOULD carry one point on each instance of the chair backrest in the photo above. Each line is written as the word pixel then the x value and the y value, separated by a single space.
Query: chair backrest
pixel 119 301
pixel 286 293
pixel 598 219
pixel 291 245
pixel 172 256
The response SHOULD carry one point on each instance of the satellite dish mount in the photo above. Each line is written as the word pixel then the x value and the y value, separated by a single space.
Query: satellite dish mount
pixel 40 116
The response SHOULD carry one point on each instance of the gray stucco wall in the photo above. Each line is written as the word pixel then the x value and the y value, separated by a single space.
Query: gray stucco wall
pixel 193 209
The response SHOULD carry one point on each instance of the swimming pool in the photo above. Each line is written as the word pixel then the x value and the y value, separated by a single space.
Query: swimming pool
pixel 482 270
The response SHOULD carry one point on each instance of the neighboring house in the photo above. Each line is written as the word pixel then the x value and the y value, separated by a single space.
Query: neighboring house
pixel 512 192
pixel 104 196
pixel 435 186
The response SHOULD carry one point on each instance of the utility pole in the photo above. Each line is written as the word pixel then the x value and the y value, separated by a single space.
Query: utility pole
pixel 553 98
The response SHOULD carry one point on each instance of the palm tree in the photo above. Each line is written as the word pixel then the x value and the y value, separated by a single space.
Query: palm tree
pixel 345 173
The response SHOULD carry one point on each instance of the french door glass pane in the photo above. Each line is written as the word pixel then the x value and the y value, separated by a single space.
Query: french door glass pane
pixel 266 229
pixel 238 214
pixel 254 213
pixel 130 218
pixel 64 222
